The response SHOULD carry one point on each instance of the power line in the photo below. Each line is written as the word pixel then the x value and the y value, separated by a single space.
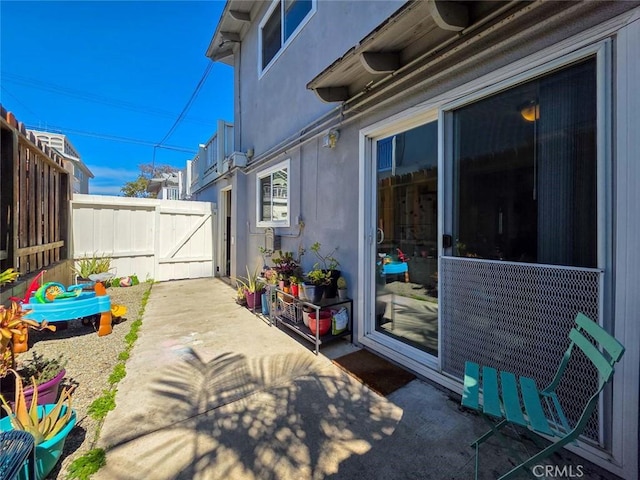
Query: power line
pixel 17 100
pixel 114 138
pixel 91 97
pixel 186 108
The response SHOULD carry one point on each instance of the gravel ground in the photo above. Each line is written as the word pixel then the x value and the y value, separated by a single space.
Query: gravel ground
pixel 90 361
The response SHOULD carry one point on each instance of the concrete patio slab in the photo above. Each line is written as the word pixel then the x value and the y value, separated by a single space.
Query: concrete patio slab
pixel 213 392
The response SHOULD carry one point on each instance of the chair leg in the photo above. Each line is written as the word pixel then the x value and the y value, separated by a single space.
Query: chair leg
pixel 537 457
pixel 494 429
pixel 481 439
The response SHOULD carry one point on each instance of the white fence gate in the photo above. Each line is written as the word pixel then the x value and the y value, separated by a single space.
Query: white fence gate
pixel 158 239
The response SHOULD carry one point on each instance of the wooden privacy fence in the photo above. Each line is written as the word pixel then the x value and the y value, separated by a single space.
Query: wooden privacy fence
pixel 158 239
pixel 34 200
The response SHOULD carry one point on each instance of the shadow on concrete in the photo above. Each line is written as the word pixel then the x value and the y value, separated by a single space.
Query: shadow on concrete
pixel 268 418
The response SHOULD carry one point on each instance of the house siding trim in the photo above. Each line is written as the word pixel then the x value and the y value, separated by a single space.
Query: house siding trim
pixel 626 394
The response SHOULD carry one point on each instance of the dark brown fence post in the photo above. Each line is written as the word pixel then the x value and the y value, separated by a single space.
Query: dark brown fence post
pixel 34 201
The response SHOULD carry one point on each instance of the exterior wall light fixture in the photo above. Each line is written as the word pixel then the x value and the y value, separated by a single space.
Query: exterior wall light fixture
pixel 331 139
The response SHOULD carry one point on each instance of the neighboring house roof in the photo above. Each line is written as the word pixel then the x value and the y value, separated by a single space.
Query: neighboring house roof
pixel 63 143
pixel 77 162
pixel 164 180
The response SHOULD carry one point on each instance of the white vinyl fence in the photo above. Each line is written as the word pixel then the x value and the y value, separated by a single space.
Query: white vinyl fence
pixel 153 239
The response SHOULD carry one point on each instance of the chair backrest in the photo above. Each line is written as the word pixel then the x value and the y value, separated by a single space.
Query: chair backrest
pixel 611 350
pixel 603 356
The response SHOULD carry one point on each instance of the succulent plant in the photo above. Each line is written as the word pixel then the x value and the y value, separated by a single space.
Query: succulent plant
pixel 9 275
pixel 42 427
pixel 41 368
pixel 342 283
pixel 89 265
pixel 12 322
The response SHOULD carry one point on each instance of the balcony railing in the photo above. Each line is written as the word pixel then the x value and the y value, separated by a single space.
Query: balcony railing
pixel 207 165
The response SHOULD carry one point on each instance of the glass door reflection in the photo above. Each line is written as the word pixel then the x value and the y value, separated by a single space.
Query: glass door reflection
pixel 407 232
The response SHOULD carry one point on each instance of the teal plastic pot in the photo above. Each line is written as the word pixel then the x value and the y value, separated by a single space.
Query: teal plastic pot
pixel 48 453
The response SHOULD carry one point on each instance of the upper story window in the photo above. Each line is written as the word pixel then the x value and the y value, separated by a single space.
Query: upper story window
pixel 284 19
pixel 273 196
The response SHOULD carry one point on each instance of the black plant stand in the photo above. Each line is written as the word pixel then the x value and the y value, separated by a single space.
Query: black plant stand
pixel 286 310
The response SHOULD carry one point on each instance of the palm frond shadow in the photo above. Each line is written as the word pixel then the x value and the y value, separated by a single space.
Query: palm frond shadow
pixel 274 417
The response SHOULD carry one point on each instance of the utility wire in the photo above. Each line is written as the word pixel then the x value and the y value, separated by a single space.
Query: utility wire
pixel 18 100
pixel 114 138
pixel 91 97
pixel 186 108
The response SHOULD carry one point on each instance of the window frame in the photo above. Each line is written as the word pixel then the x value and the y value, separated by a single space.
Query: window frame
pixel 284 43
pixel 268 172
pixel 601 51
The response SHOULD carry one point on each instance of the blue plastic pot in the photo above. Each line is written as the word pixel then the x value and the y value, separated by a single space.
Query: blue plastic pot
pixel 48 453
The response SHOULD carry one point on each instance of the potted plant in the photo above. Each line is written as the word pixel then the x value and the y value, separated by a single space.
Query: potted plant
pixel 294 285
pixel 47 373
pixel 342 288
pixel 253 286
pixel 287 266
pixel 90 265
pixel 330 265
pixel 317 280
pixel 14 328
pixel 49 424
pixel 241 299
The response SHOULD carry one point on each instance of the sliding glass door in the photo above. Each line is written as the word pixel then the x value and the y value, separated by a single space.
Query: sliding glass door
pixel 406 286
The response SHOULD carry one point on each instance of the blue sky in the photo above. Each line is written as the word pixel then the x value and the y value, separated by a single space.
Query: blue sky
pixel 98 70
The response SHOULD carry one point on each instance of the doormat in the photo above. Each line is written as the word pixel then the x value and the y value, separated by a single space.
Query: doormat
pixel 376 373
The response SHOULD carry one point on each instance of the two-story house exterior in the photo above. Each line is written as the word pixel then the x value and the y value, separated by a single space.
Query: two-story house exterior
pixel 72 160
pixel 486 150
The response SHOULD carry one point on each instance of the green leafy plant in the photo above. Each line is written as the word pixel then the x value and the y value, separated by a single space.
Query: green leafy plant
pixel 252 283
pixel 83 467
pixel 317 276
pixel 241 299
pixel 103 404
pixel 42 427
pixel 328 261
pixel 89 265
pixel 13 323
pixel 286 265
pixel 40 368
pixel 118 374
pixel 9 275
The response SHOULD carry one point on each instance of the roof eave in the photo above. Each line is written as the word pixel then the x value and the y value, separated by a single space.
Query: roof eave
pixel 392 47
pixel 235 14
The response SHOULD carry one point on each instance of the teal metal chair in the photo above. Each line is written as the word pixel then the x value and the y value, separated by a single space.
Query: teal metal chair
pixel 540 410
